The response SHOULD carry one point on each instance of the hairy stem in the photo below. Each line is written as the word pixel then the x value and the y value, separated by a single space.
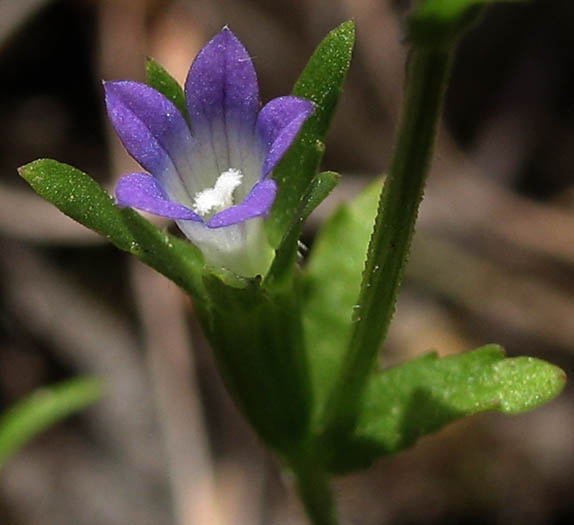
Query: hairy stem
pixel 394 227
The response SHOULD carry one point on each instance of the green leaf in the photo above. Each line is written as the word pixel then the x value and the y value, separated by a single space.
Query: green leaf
pixel 286 256
pixel 332 280
pixel 403 403
pixel 43 409
pixel 84 200
pixel 406 402
pixel 321 82
pixel 439 22
pixel 158 78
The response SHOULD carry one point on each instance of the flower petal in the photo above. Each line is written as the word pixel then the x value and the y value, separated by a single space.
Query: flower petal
pixel 222 99
pixel 277 114
pixel 257 203
pixel 142 191
pixel 277 126
pixel 151 128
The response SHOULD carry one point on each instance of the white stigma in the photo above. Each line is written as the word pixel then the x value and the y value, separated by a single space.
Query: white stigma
pixel 220 196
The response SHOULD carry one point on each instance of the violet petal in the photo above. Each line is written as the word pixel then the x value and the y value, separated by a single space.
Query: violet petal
pixel 277 114
pixel 222 99
pixel 282 143
pixel 142 191
pixel 149 125
pixel 257 203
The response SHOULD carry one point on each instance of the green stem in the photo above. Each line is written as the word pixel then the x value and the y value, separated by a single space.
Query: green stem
pixel 394 227
pixel 315 493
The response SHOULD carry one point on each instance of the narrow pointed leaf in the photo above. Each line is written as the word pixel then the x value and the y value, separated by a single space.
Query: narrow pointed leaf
pixel 419 397
pixel 41 410
pixel 286 255
pixel 158 78
pixel 80 197
pixel 321 82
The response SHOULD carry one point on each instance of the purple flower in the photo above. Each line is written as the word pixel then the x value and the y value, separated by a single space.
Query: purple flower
pixel 213 176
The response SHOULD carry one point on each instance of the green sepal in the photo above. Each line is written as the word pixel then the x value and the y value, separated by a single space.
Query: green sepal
pixel 158 78
pixel 321 82
pixel 406 402
pixel 438 23
pixel 44 408
pixel 80 197
pixel 257 340
pixel 284 263
pixel 331 284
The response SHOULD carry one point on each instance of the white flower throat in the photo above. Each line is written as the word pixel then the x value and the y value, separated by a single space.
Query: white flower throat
pixel 220 196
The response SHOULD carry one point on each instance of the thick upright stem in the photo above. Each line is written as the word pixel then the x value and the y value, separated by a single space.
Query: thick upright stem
pixel 394 227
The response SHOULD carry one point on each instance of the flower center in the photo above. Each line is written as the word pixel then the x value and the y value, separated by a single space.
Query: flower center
pixel 220 196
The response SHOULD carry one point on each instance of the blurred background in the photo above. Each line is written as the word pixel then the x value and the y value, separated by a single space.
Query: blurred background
pixel 493 261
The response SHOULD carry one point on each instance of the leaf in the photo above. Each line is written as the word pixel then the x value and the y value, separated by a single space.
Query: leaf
pixel 43 409
pixel 158 78
pixel 321 82
pixel 286 255
pixel 84 200
pixel 406 402
pixel 332 280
